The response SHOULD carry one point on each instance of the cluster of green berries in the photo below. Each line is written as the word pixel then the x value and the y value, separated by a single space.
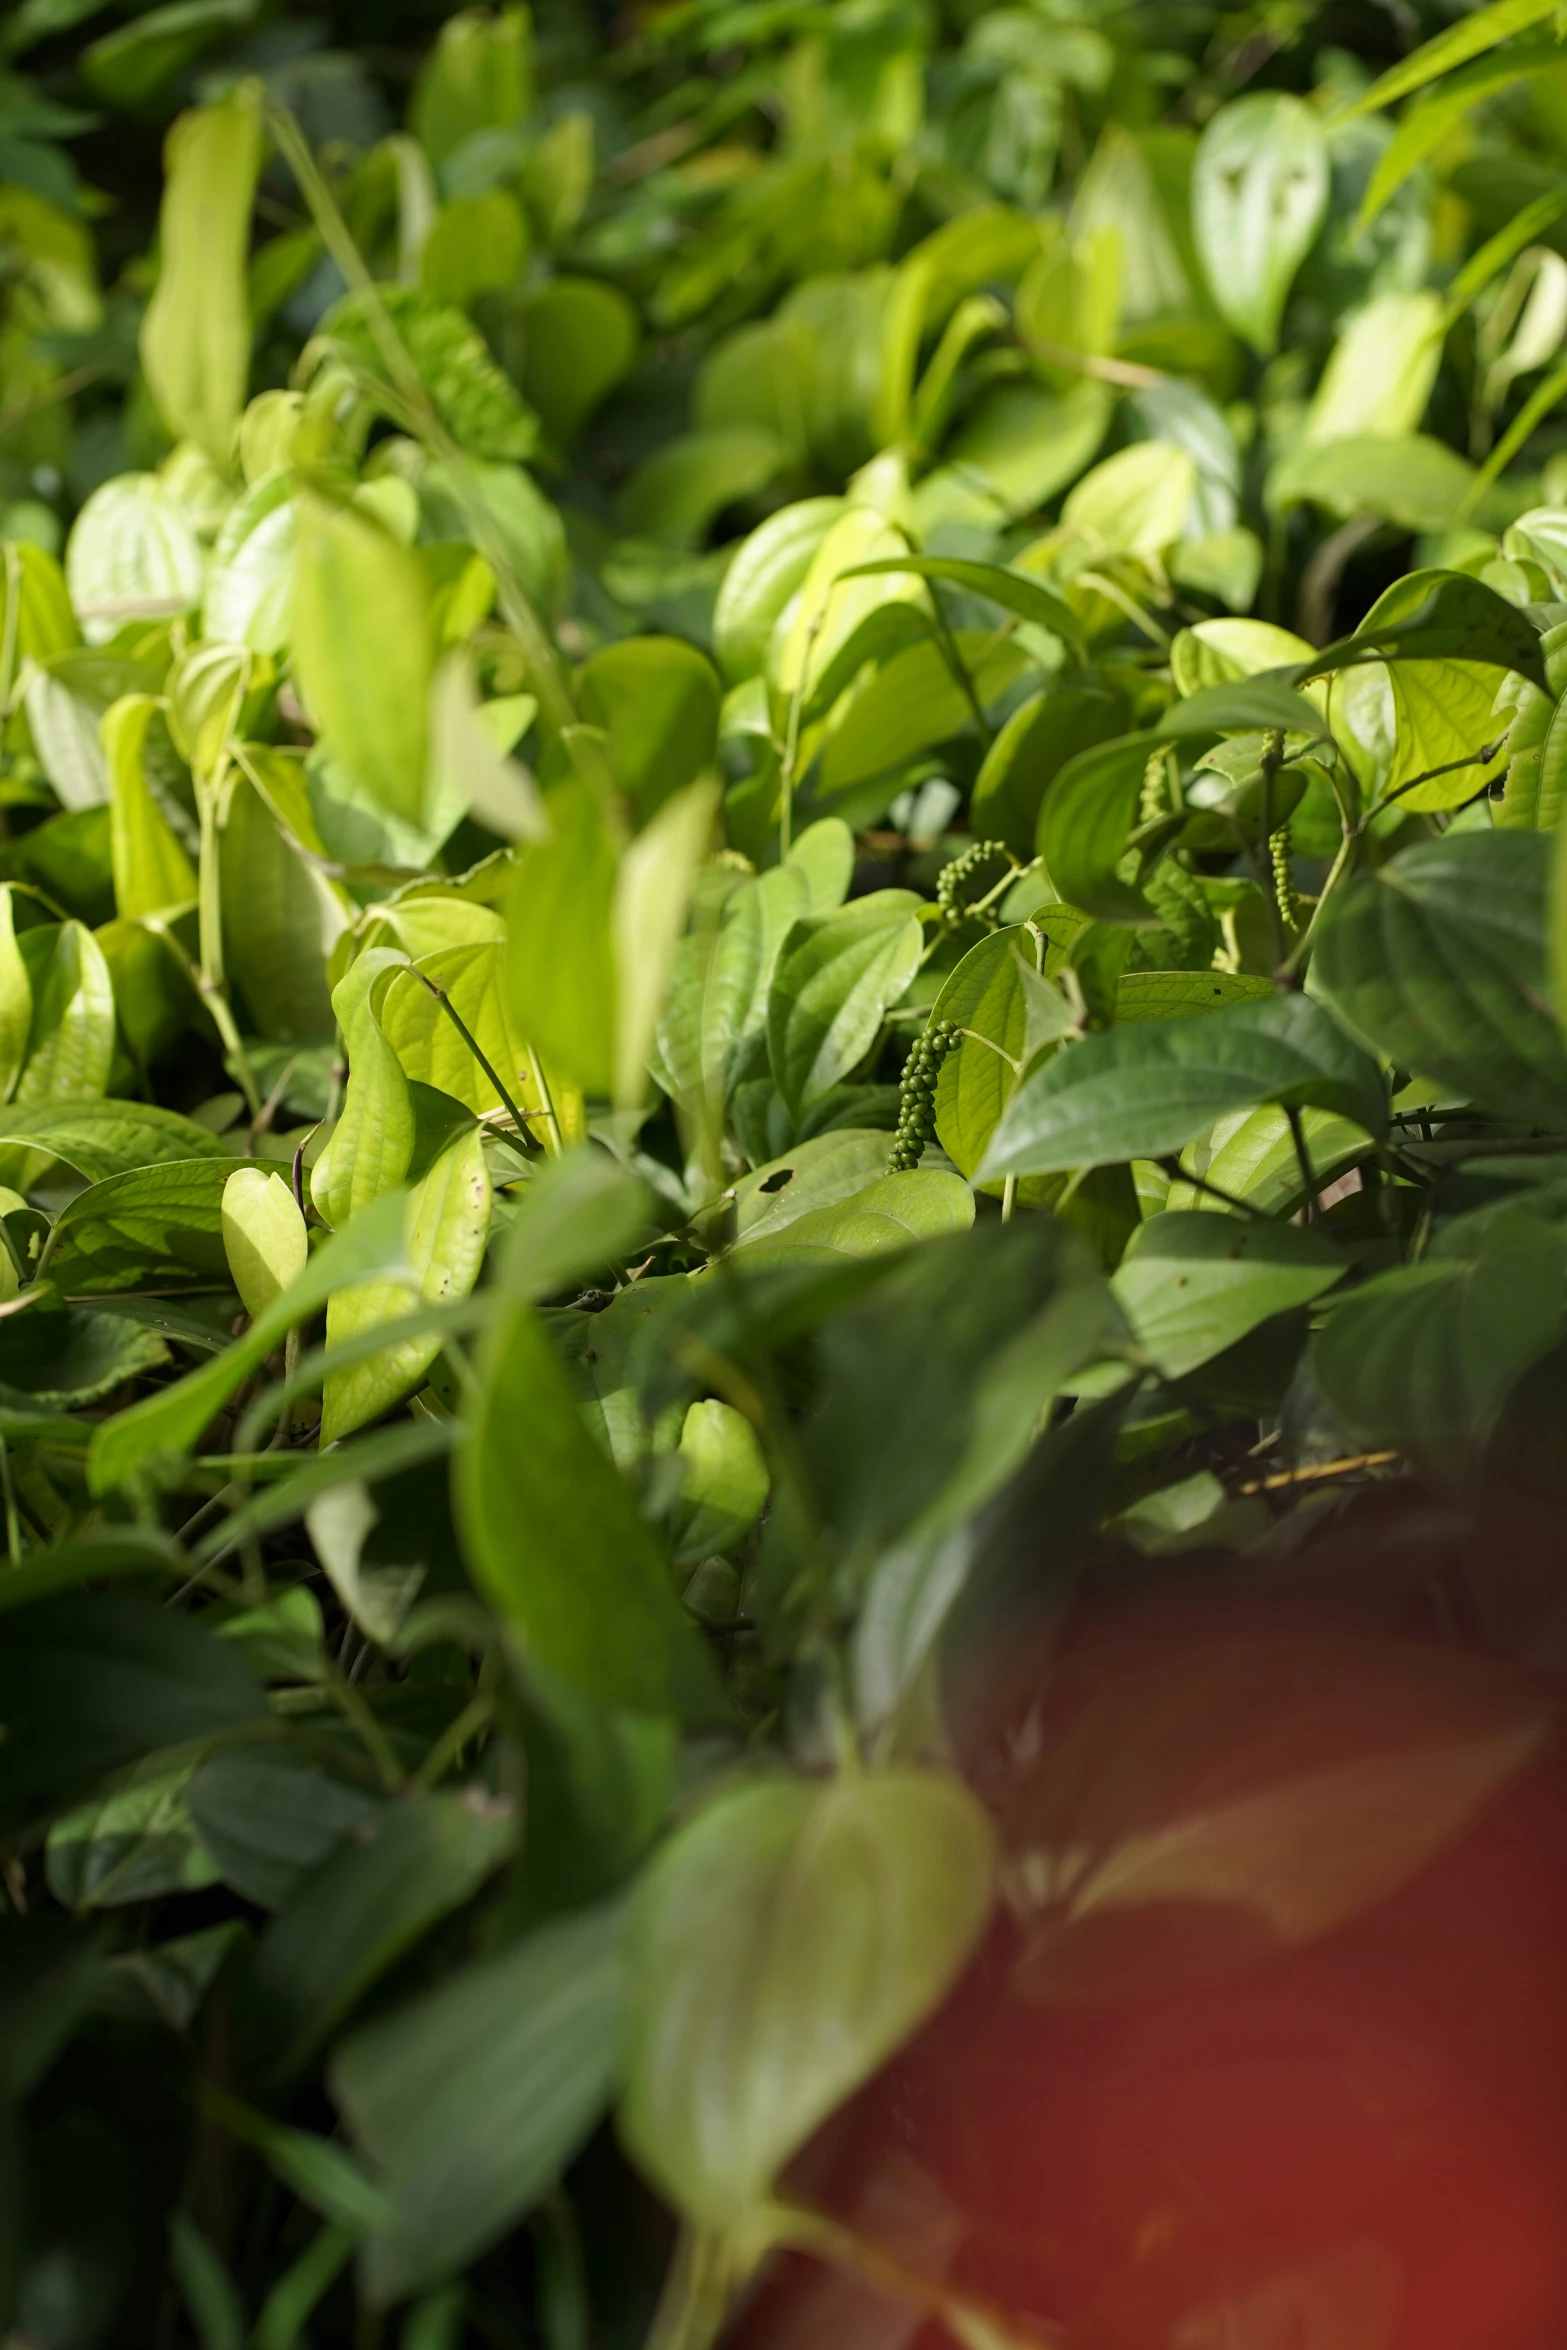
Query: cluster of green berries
pixel 917 1095
pixel 950 880
pixel 1281 848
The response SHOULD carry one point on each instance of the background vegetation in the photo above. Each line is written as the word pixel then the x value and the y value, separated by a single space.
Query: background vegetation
pixel 778 784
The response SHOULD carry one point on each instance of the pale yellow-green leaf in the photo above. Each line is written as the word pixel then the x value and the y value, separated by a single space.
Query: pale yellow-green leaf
pixel 652 891
pixel 16 998
pixel 372 1143
pixel 263 1236
pixel 364 650
pixel 464 756
pixel 151 870
pixel 71 1042
pixel 447 1226
pixel 1442 711
pixel 1379 376
pixel 195 336
pixel 1137 501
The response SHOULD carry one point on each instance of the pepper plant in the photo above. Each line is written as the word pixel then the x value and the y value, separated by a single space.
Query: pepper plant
pixel 780 879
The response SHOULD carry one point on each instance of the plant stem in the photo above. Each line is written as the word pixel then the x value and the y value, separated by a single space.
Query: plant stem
pixel 543 662
pixel 474 1046
pixel 541 1086
pixel 1303 1159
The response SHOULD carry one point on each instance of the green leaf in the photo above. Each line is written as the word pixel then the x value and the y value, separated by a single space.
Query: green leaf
pixel 264 1236
pixel 817 1174
pixel 676 495
pixel 766 571
pixel 1037 741
pixel 1089 808
pixel 1248 705
pixel 371 1146
pixel 582 340
pixel 987 997
pixel 396 1875
pixel 1423 129
pixel 250 578
pixel 363 646
pixel 447 1227
pixel 1419 483
pixel 1259 191
pixel 132 550
pixel 1251 1155
pixel 1175 995
pixel 1145 1091
pixel 167 1425
pixel 836 976
pixel 35 608
pixel 560 952
pixel 268 1818
pixel 578 1212
pixel 656 699
pixel 16 998
pixel 281 917
pixel 724 1482
pixel 783 1944
pixel 135 1845
pixel 66 701
pixel 92 1682
pixel 475 401
pixel 653 888
pixel 555 1539
pixel 912 703
pixel 1471 37
pixel 195 333
pixel 99 1139
pixel 157 1227
pixel 472 2100
pixel 54 1357
pixel 1014 591
pixel 1441 616
pixel 1439 959
pixel 152 873
pixel 1420 1359
pixel 887 1214
pixel 1192 1285
pixel 1136 502
pixel 70 1047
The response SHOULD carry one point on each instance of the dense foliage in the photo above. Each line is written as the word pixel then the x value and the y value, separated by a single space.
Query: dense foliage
pixel 777 874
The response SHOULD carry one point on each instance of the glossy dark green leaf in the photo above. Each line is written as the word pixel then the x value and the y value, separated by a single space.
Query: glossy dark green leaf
pixel 158 1227
pixel 91 1682
pixel 1089 808
pixel 1144 1091
pixel 555 1538
pixel 835 977
pixel 395 1877
pixel 471 2100
pixel 267 1816
pixel 1038 739
pixel 166 1425
pixel 1420 1359
pixel 1441 616
pixel 1439 960
pixel 656 700
pixel 1190 1285
pixel 54 1357
pixel 99 1139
